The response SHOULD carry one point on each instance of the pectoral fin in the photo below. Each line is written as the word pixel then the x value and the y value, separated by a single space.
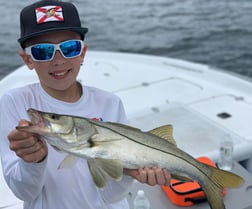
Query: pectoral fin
pixel 102 170
pixel 68 162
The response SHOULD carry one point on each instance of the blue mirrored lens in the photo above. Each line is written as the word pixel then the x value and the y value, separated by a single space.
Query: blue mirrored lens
pixel 71 48
pixel 45 51
pixel 42 51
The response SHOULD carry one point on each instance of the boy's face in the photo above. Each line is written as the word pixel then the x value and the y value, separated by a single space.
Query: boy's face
pixel 60 73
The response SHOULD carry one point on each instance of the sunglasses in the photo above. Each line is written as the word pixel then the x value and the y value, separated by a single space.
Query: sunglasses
pixel 45 51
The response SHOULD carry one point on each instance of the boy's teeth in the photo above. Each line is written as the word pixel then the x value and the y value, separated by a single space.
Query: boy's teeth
pixel 59 74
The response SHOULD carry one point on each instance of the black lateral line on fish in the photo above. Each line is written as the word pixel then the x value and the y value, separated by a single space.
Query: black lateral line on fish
pixel 100 125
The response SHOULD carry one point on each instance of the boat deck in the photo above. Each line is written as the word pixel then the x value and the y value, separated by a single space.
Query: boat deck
pixel 203 104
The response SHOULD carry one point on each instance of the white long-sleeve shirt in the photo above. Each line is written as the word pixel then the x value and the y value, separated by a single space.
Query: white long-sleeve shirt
pixel 43 185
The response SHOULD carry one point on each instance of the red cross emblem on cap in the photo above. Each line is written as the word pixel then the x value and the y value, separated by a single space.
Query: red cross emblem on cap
pixel 48 14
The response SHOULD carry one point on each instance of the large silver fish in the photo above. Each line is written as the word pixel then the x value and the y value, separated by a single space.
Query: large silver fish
pixel 110 147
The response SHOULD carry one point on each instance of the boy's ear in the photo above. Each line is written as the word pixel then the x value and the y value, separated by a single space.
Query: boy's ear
pixel 84 51
pixel 27 59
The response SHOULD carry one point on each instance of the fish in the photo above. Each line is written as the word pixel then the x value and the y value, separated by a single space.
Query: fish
pixel 110 147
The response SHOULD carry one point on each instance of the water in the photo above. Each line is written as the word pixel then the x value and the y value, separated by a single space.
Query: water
pixel 216 32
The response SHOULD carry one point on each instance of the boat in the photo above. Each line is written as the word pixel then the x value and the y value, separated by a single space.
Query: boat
pixel 204 104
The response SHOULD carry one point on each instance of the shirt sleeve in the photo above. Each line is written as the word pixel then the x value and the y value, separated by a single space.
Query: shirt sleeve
pixel 24 179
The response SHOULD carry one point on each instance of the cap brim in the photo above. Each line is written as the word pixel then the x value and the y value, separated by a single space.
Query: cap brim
pixel 82 31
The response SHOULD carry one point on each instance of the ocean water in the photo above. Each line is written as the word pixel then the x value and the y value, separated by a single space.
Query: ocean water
pixel 216 32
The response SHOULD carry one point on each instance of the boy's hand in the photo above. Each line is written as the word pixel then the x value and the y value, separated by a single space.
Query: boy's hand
pixel 152 176
pixel 26 145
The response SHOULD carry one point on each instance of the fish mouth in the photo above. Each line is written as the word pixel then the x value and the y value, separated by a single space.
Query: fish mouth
pixel 38 124
pixel 37 118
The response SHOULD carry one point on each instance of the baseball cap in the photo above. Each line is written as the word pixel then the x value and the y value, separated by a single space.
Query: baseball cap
pixel 48 16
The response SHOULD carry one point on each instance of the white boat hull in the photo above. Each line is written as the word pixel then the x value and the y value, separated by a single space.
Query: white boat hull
pixel 202 104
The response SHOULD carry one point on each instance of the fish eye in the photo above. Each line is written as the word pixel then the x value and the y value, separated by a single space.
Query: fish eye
pixel 55 117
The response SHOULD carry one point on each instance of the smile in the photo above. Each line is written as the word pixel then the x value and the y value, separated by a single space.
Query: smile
pixel 60 74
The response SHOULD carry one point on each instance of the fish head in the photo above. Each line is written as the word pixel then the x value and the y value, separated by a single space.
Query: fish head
pixel 46 123
pixel 61 131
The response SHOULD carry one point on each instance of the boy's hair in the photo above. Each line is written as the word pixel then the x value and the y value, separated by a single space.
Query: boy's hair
pixel 47 16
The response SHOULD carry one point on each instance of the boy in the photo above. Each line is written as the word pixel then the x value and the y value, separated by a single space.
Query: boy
pixel 53 45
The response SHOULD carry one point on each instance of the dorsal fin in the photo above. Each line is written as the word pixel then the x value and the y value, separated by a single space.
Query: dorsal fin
pixel 165 132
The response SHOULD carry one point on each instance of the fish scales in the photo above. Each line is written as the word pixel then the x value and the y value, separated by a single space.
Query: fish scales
pixel 110 147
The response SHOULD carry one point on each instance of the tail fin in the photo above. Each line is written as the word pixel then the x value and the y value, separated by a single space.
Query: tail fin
pixel 213 195
pixel 226 179
pixel 214 185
